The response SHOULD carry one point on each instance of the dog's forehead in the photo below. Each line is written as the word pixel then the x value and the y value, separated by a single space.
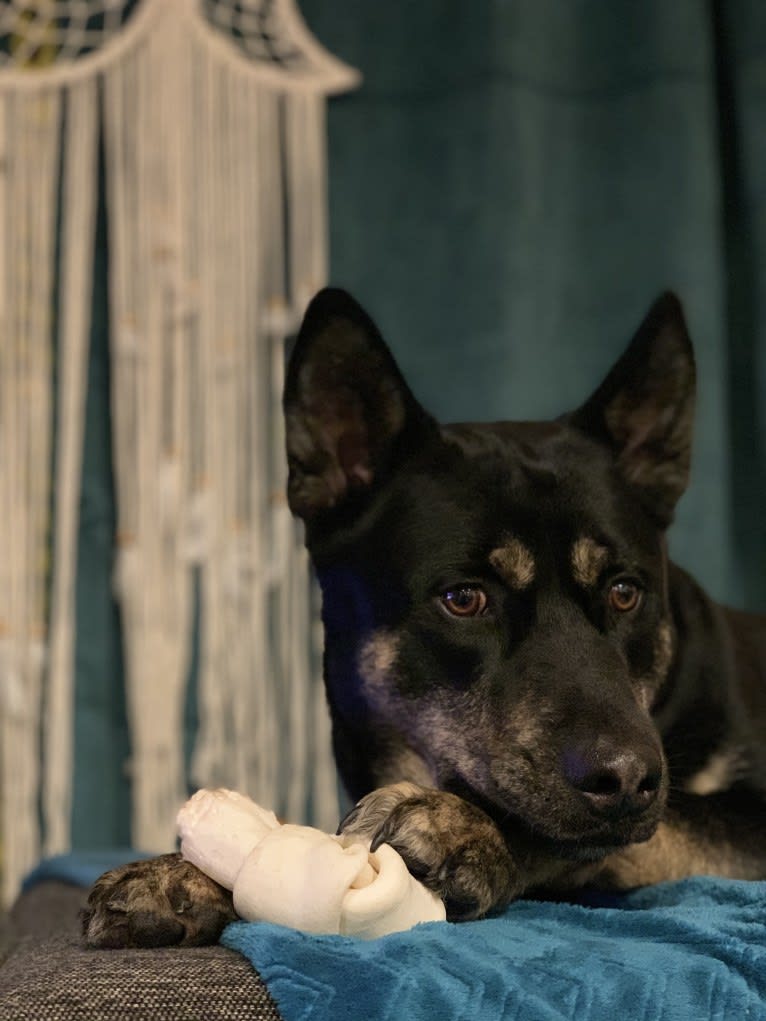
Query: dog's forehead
pixel 503 492
pixel 532 468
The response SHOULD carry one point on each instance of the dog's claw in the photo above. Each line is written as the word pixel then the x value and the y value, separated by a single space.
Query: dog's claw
pixel 377 840
pixel 348 820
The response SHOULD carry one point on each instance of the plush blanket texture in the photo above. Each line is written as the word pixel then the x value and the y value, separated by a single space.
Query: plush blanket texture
pixel 691 950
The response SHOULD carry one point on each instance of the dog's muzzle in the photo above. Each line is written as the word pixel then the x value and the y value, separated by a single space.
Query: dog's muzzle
pixel 615 782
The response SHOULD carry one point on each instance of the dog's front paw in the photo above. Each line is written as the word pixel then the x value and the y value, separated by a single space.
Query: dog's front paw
pixel 448 844
pixel 162 901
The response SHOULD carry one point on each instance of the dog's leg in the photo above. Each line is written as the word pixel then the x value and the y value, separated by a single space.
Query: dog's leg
pixel 713 834
pixel 453 847
pixel 162 901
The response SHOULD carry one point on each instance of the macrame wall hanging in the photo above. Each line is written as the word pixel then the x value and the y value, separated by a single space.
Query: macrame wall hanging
pixel 212 119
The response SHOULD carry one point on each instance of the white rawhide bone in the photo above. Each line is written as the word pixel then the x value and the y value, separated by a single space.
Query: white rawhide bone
pixel 298 876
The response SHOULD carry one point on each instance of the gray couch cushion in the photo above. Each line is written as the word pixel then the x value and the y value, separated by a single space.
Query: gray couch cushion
pixel 50 976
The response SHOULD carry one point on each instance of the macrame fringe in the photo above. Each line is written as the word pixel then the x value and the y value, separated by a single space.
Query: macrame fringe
pixel 29 136
pixel 78 209
pixel 217 246
pixel 216 180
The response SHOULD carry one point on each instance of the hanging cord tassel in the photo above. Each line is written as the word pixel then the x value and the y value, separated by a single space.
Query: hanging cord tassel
pixel 30 137
pixel 76 267
pixel 204 131
pixel 145 102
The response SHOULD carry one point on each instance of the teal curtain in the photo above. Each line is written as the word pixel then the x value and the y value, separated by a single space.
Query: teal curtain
pixel 517 179
pixel 510 188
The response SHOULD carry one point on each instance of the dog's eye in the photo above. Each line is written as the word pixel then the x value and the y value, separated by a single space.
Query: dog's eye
pixel 624 596
pixel 466 601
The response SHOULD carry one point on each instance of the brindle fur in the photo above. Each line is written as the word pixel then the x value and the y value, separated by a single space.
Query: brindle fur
pixel 550 741
pixel 164 901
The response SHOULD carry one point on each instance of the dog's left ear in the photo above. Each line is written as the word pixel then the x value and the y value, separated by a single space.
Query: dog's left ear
pixel 349 415
pixel 644 409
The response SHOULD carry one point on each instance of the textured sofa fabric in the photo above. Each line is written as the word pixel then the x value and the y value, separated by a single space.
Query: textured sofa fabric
pixel 46 974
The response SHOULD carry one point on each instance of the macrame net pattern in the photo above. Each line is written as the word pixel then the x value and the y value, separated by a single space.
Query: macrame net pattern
pixel 213 125
pixel 59 30
pixel 258 29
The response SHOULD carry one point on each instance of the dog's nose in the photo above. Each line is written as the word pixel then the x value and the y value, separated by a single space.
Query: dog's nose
pixel 623 783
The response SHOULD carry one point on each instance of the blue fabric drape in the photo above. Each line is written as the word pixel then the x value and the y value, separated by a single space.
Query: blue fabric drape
pixel 517 179
pixel 509 189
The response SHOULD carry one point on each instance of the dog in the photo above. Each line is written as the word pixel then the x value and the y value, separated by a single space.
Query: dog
pixel 526 695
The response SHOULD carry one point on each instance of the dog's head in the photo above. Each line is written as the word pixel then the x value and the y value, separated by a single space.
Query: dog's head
pixel 495 595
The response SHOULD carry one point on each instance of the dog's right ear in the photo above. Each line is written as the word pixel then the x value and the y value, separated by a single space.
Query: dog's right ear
pixel 347 407
pixel 644 409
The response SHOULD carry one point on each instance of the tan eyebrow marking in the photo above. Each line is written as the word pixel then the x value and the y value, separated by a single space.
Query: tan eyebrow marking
pixel 588 560
pixel 514 563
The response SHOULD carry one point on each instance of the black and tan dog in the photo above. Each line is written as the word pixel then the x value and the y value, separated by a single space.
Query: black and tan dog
pixel 526 695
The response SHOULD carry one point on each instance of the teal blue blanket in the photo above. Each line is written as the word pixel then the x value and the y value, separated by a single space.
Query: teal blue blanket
pixel 694 950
